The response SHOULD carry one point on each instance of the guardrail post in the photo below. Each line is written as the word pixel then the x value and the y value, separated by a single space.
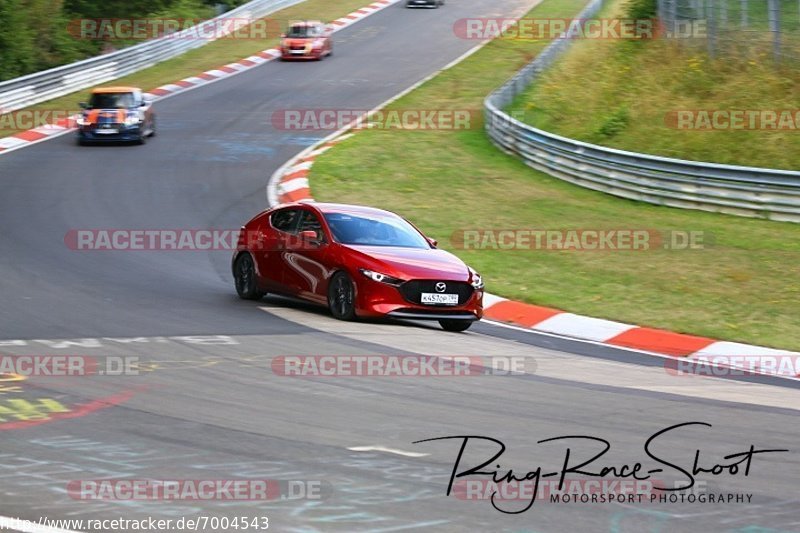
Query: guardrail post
pixel 744 14
pixel 775 27
pixel 712 29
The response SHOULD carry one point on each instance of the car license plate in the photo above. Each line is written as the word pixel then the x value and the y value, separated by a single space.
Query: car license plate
pixel 111 130
pixel 298 51
pixel 445 299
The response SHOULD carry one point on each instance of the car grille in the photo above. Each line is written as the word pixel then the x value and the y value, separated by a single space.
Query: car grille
pixel 412 290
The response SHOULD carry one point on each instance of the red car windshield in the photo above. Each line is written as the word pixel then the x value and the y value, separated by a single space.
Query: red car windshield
pixel 351 229
pixel 301 32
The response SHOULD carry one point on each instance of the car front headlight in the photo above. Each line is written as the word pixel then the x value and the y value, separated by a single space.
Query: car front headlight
pixel 381 278
pixel 132 120
pixel 82 120
pixel 477 280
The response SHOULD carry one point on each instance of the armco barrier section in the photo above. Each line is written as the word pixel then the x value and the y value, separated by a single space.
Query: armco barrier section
pixel 744 191
pixel 41 86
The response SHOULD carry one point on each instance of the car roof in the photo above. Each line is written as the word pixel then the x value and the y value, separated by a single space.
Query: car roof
pixel 120 89
pixel 304 23
pixel 350 209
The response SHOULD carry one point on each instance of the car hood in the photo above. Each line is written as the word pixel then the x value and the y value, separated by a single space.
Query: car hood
pixel 298 41
pixel 412 263
pixel 106 115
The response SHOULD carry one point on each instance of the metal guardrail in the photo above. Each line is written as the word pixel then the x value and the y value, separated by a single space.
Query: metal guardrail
pixel 744 191
pixel 41 86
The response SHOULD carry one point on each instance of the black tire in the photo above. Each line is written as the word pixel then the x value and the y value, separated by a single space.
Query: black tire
pixel 81 141
pixel 142 138
pixel 244 277
pixel 455 325
pixel 341 297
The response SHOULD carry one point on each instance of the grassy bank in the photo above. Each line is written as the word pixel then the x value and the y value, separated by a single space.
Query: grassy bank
pixel 626 95
pixel 210 56
pixel 744 287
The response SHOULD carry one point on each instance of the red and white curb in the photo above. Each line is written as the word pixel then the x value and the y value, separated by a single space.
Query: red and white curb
pixel 290 184
pixel 62 127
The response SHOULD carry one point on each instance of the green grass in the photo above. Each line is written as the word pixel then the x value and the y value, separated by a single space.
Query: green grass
pixel 207 57
pixel 745 288
pixel 619 94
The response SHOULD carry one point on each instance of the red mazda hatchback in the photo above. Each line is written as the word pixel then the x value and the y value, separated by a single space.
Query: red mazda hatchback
pixel 358 261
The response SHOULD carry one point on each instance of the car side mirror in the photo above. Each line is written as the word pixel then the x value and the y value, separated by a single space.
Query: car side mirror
pixel 310 237
pixel 144 103
pixel 83 105
pixel 433 242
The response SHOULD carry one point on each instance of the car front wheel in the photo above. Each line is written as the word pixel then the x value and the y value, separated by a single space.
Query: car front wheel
pixel 455 325
pixel 341 297
pixel 244 276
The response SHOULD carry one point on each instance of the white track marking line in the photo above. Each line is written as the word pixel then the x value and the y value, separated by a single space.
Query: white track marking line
pixel 386 450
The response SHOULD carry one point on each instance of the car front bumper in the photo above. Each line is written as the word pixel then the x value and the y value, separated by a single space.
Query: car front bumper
pixel 123 133
pixel 313 54
pixel 375 299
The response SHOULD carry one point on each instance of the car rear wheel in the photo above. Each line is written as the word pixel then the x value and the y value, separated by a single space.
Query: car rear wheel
pixel 244 276
pixel 455 325
pixel 341 297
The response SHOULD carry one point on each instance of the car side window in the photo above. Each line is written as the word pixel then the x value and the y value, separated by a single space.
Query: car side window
pixel 285 220
pixel 310 222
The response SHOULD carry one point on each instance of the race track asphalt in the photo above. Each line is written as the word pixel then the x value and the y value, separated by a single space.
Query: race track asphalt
pixel 208 403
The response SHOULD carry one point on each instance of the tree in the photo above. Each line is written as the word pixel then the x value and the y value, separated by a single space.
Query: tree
pixel 16 42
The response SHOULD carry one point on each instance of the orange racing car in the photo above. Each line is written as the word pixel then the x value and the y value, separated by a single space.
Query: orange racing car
pixel 116 114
